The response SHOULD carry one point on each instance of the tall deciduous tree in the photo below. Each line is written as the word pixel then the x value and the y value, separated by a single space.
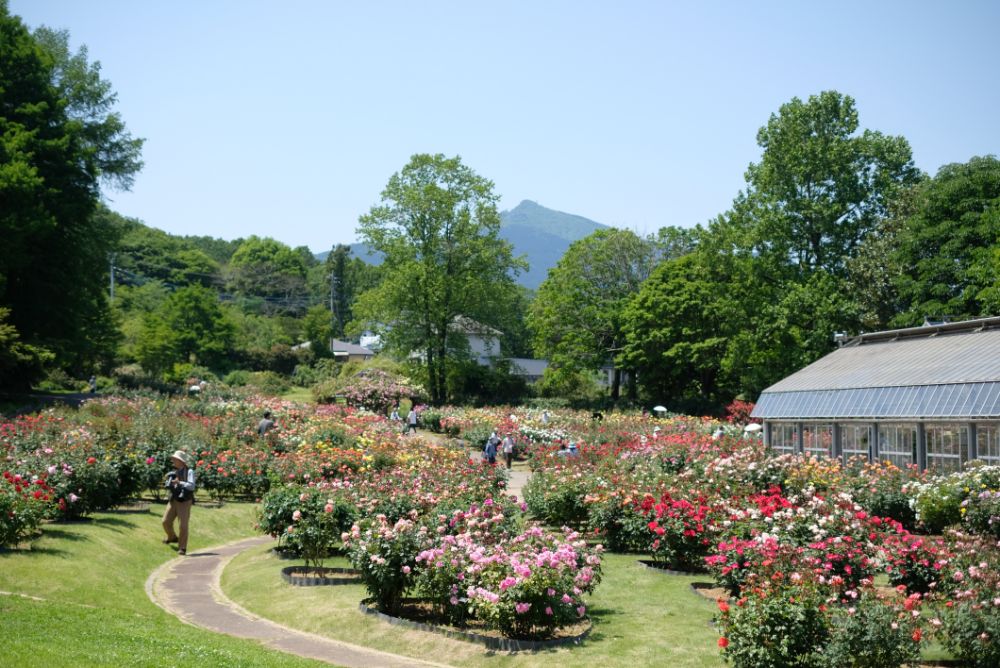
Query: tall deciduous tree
pixel 346 277
pixel 58 140
pixel 676 334
pixel 951 243
pixel 577 314
pixel 437 226
pixel 271 271
pixel 189 327
pixel 820 187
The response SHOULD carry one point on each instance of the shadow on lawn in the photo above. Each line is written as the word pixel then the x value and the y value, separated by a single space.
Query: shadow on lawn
pixel 33 551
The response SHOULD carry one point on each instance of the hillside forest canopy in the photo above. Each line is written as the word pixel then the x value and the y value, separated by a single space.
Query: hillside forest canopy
pixel 835 230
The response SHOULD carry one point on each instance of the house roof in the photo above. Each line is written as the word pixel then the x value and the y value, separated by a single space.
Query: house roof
pixel 467 325
pixel 345 348
pixel 523 366
pixel 940 371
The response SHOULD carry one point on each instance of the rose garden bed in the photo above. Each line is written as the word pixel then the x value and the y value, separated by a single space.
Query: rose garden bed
pixel 424 616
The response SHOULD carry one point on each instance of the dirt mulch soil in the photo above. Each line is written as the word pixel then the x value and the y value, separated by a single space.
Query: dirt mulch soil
pixel 423 616
pixel 310 576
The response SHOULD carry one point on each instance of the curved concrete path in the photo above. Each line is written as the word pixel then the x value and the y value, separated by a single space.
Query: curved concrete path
pixel 188 587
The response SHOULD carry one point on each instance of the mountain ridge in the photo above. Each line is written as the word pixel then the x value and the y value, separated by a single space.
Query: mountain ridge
pixel 541 234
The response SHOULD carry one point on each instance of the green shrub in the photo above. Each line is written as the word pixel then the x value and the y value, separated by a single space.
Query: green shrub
pixel 275 513
pixel 623 528
pixel 938 505
pixel 981 512
pixel 477 435
pixel 385 551
pixel 238 378
pixel 58 380
pixel 430 419
pixel 772 631
pixel 23 506
pixel 871 633
pixel 972 632
pixel 269 382
pixel 563 505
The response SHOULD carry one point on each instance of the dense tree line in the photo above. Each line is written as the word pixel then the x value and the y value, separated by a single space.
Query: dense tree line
pixel 835 231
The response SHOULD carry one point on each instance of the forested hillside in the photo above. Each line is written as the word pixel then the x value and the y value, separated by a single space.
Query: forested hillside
pixel 835 230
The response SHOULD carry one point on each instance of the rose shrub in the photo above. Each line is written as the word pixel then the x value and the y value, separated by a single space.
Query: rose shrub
pixel 24 503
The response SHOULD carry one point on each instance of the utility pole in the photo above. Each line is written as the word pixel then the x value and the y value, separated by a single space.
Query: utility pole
pixel 334 314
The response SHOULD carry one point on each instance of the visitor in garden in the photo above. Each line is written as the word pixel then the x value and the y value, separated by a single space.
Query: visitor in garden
pixel 719 433
pixel 508 450
pixel 265 425
pixel 395 415
pixel 93 384
pixel 490 451
pixel 545 417
pixel 411 420
pixel 181 484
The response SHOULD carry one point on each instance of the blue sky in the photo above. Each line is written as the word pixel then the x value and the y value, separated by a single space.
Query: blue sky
pixel 287 119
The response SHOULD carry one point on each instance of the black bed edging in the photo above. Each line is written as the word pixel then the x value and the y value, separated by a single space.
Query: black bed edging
pixel 288 572
pixel 502 644
pixel 651 565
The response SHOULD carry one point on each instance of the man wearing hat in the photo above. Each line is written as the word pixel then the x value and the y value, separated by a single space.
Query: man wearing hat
pixel 180 483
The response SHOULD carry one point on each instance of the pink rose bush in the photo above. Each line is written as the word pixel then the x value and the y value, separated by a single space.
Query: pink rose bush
pixel 471 565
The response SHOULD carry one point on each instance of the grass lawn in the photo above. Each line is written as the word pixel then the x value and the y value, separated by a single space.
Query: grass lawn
pixel 641 618
pixel 302 395
pixel 93 610
pixel 77 598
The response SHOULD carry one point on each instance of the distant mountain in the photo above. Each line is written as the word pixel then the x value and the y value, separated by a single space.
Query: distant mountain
pixel 542 234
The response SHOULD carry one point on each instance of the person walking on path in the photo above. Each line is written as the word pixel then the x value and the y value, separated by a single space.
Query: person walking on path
pixel 490 450
pixel 181 484
pixel 265 425
pixel 93 384
pixel 411 420
pixel 508 450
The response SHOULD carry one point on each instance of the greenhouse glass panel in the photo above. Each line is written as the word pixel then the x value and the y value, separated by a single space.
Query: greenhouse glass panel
pixel 784 436
pixel 947 446
pixel 817 439
pixel 988 442
pixel 854 442
pixel 897 443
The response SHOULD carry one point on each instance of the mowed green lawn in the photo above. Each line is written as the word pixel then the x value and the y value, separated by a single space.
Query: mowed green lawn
pixel 641 618
pixel 89 606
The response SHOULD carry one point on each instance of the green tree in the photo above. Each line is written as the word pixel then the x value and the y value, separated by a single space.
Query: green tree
pixel 59 140
pixel 272 272
pixel 437 226
pixel 318 329
pixel 951 242
pixel 576 316
pixel 143 253
pixel 16 357
pixel 189 327
pixel 821 187
pixel 676 334
pixel 346 278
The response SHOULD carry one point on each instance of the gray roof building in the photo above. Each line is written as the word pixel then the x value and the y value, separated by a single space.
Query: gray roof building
pixel 936 380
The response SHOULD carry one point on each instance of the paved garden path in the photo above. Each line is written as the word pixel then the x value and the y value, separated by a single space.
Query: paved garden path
pixel 188 587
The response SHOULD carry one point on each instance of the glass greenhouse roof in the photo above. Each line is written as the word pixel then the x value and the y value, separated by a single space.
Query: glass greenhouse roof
pixel 922 372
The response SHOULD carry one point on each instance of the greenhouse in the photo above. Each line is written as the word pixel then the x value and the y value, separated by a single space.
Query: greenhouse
pixel 926 395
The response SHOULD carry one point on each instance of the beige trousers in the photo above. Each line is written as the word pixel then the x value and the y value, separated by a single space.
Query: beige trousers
pixel 180 510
